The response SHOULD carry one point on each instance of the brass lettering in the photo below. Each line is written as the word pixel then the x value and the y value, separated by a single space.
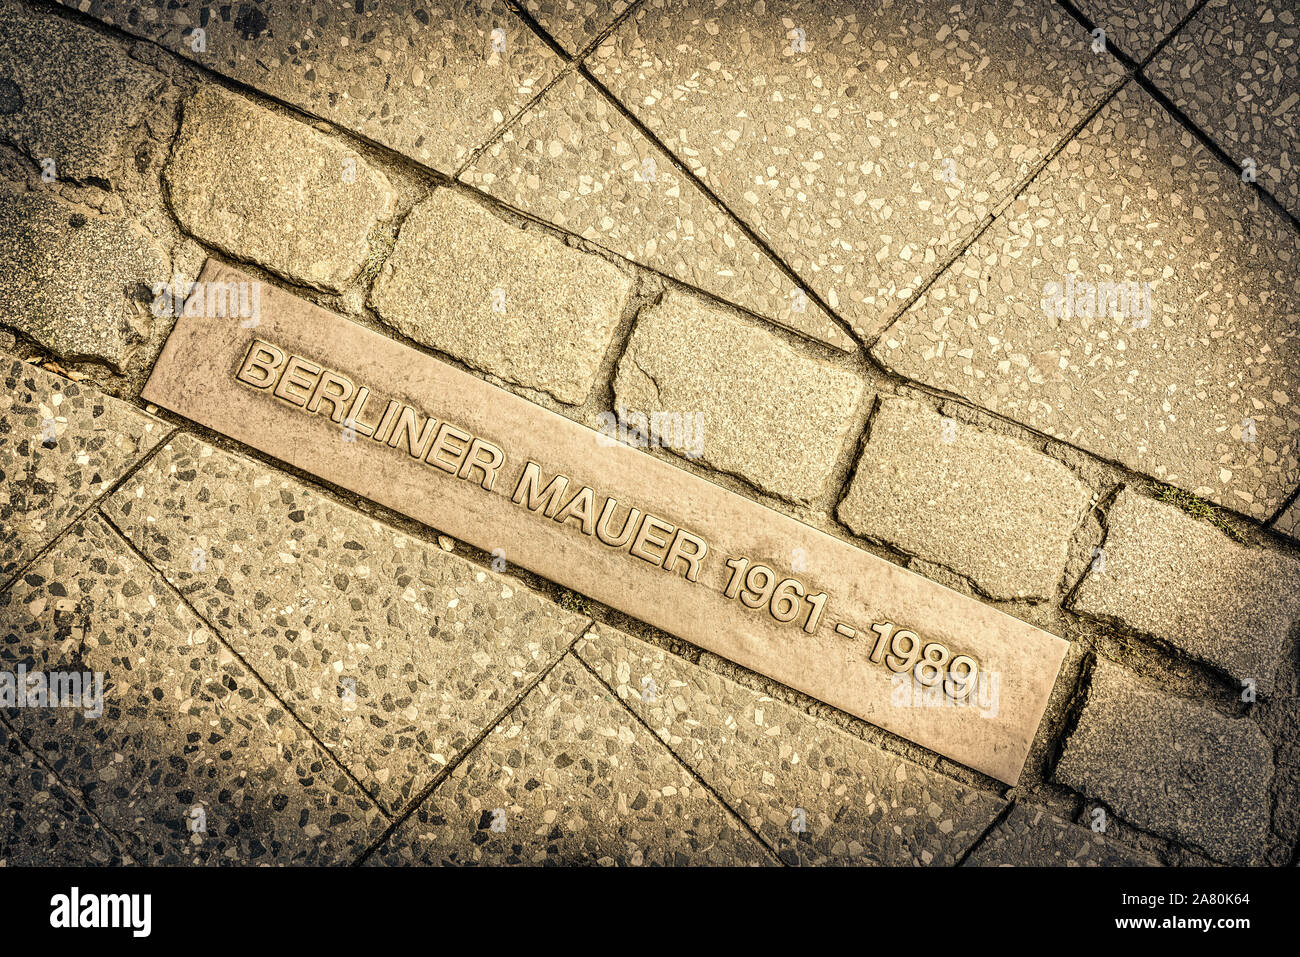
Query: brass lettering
pixel 645 536
pixel 291 377
pixel 386 423
pixel 699 548
pixel 448 431
pixel 581 506
pixel 407 423
pixel 548 497
pixel 335 399
pixel 474 460
pixel 354 415
pixel 266 359
pixel 629 525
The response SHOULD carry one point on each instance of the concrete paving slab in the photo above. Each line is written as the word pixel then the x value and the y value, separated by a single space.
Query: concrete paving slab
pixel 571 777
pixel 395 653
pixel 63 444
pixel 1137 302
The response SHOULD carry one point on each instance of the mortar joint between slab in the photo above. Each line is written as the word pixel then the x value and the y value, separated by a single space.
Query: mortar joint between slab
pixel 708 788
pixel 447 770
pixel 219 636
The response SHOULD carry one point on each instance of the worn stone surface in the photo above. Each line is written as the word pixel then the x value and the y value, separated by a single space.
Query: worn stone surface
pixel 781 433
pixel 571 777
pixel 828 128
pixel 768 761
pixel 1136 27
pixel 1030 837
pixel 1171 765
pixel 424 80
pixel 77 283
pixel 42 824
pixel 982 504
pixel 68 94
pixel 1235 70
pixel 1136 199
pixel 574 24
pixel 260 186
pixel 575 161
pixel 1288 523
pixel 396 654
pixel 185 728
pixel 62 445
pixel 517 303
pixel 1183 581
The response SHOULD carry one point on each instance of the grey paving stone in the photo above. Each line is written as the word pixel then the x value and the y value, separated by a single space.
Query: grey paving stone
pixel 575 161
pixel 1288 523
pixel 832 142
pixel 779 432
pixel 1235 71
pixel 767 760
pixel 262 187
pixel 395 653
pixel 62 445
pixel 1136 28
pixel 516 303
pixel 423 80
pixel 42 824
pixel 574 23
pixel 68 94
pixel 191 761
pixel 1183 581
pixel 1030 837
pixel 78 284
pixel 982 504
pixel 1134 199
pixel 1171 766
pixel 571 777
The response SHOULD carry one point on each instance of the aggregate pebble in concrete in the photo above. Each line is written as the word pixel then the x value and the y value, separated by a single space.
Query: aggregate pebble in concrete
pixel 425 80
pixel 68 94
pixel 77 283
pixel 862 141
pixel 42 824
pixel 395 653
pixel 517 303
pixel 1235 71
pixel 574 23
pixel 62 445
pixel 781 432
pixel 982 504
pixel 1201 390
pixel 273 190
pixel 1172 766
pixel 570 777
pixel 1136 27
pixel 575 161
pixel 1030 837
pixel 1183 581
pixel 187 736
pixel 769 761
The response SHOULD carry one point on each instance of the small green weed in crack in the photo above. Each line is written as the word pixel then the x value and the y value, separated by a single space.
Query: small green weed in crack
pixel 1198 507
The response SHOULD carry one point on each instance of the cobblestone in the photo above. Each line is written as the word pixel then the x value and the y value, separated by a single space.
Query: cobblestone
pixel 979 503
pixel 1163 573
pixel 1172 766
